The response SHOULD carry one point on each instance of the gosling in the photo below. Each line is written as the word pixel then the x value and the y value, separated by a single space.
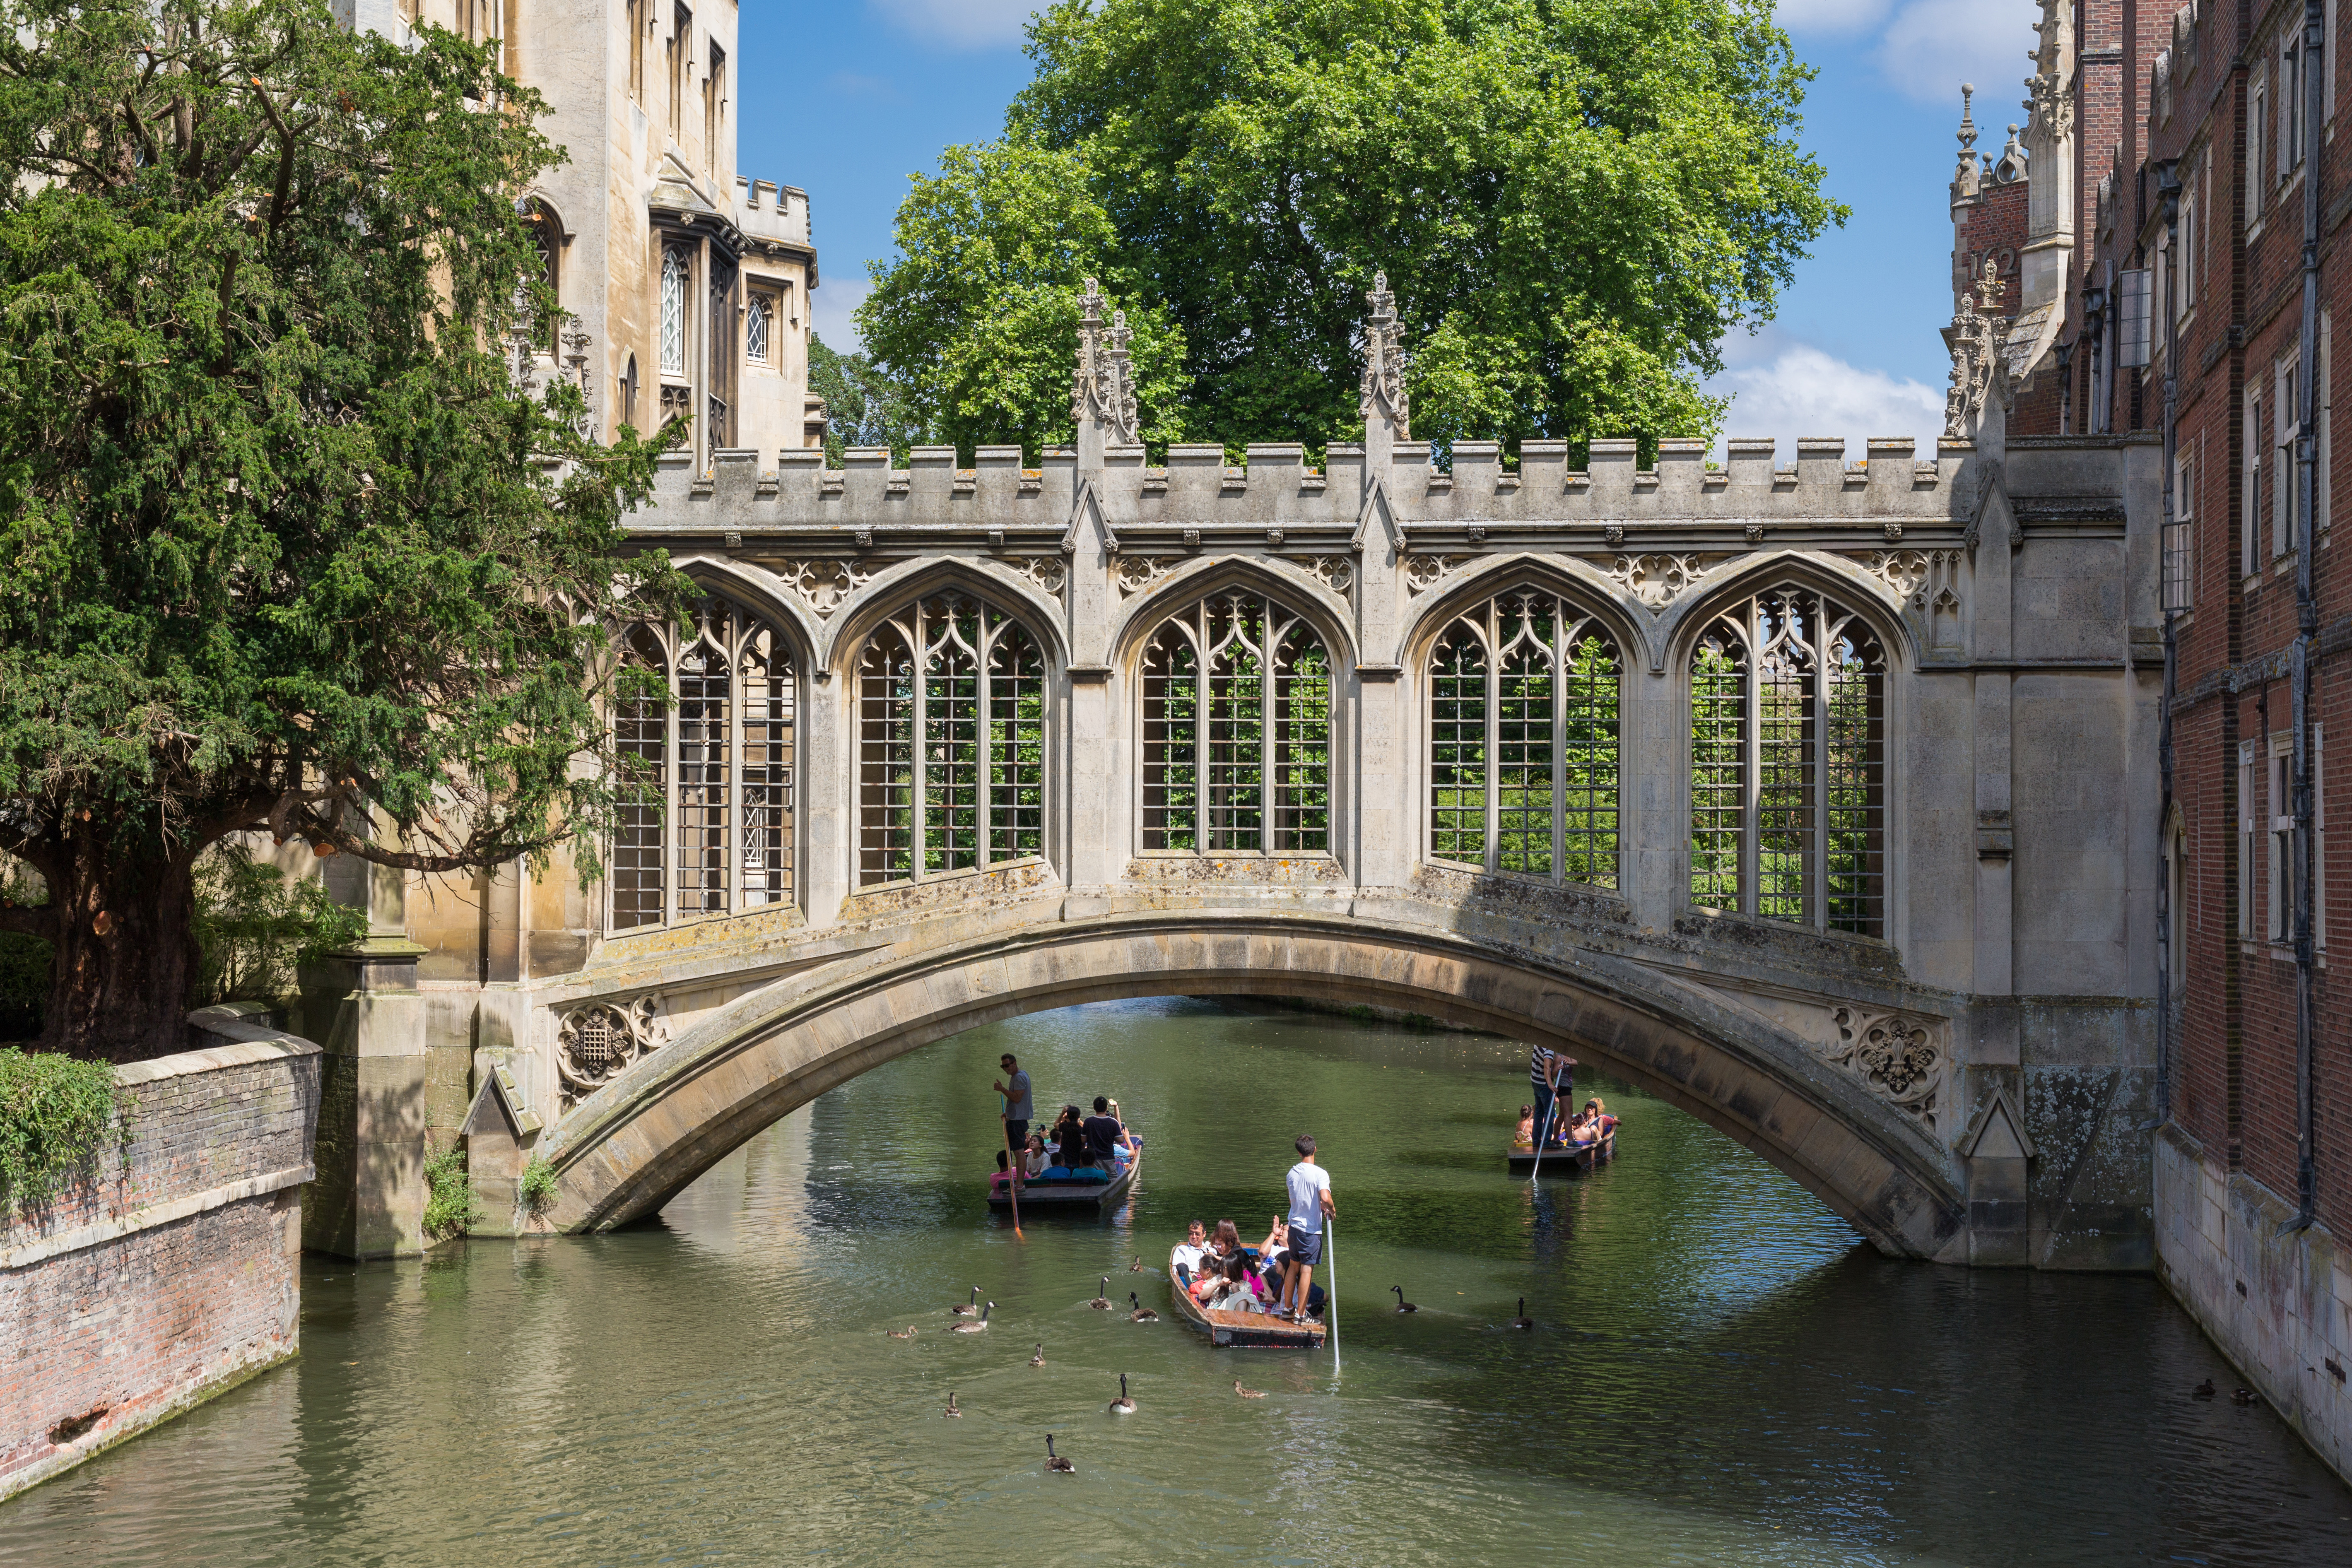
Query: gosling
pixel 1039 1359
pixel 1102 1303
pixel 1143 1314
pixel 1124 1405
pixel 1247 1393
pixel 906 1333
pixel 976 1325
pixel 967 1308
pixel 1055 1462
pixel 1402 1305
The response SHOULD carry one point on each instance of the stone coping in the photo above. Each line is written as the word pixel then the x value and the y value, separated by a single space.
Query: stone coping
pixel 245 1045
pixel 100 1232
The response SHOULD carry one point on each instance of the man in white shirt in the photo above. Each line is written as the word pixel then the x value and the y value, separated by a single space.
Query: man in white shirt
pixel 1187 1258
pixel 1310 1204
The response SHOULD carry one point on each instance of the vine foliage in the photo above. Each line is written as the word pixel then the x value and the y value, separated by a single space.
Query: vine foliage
pixel 54 1115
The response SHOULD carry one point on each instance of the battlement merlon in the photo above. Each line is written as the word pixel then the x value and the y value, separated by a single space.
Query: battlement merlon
pixel 769 214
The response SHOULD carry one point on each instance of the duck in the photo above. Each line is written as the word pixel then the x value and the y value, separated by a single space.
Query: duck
pixel 1124 1405
pixel 1054 1462
pixel 1039 1359
pixel 1247 1393
pixel 2202 1391
pixel 966 1308
pixel 906 1333
pixel 951 1409
pixel 976 1325
pixel 1523 1321
pixel 1143 1314
pixel 2244 1396
pixel 1403 1305
pixel 1102 1303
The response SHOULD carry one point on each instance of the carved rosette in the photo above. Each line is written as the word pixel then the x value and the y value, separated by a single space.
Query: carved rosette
pixel 593 1043
pixel 1336 573
pixel 1422 573
pixel 1655 579
pixel 1900 1056
pixel 1051 574
pixel 1137 572
pixel 823 585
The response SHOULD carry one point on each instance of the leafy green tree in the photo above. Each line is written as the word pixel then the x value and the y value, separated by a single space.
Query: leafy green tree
pixel 865 405
pixel 1574 202
pixel 286 546
pixel 978 316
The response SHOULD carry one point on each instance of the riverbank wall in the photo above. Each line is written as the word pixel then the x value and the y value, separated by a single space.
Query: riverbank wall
pixel 171 1272
pixel 2277 1302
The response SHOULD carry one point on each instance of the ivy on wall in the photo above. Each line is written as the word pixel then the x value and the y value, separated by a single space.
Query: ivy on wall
pixel 54 1114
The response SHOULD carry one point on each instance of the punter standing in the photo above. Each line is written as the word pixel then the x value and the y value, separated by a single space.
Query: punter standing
pixel 1310 1204
pixel 1015 1088
pixel 1550 1074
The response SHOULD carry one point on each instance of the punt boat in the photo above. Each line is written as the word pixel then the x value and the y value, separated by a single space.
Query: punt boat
pixel 1090 1188
pixel 1239 1330
pixel 1566 1162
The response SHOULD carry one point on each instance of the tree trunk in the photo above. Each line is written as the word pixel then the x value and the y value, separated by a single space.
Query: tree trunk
pixel 126 956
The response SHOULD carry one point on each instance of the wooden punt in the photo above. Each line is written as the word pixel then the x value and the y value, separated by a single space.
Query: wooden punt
pixel 1566 1162
pixel 1043 1193
pixel 1239 1330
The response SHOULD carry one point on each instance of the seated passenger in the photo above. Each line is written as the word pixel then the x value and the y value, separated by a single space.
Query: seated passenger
pixel 1104 1135
pixel 1228 1242
pixel 1524 1135
pixel 1186 1259
pixel 1241 1292
pixel 1603 1123
pixel 1035 1160
pixel 1584 1132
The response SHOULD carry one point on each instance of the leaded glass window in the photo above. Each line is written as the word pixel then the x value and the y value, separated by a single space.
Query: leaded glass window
pixel 674 269
pixel 952 742
pixel 1524 693
pixel 755 330
pixel 1788 764
pixel 714 762
pixel 1236 730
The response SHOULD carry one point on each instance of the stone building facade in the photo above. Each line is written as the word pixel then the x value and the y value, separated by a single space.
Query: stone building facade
pixel 2211 263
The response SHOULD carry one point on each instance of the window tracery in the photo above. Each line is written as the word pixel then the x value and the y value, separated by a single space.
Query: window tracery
pixel 673 309
pixel 1788 700
pixel 952 742
pixel 1524 698
pixel 1236 730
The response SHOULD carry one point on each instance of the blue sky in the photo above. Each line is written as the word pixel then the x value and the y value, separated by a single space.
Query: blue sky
pixel 846 98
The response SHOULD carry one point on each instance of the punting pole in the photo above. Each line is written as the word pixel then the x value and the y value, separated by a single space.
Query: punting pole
pixel 1012 1174
pixel 1543 1138
pixel 1331 1287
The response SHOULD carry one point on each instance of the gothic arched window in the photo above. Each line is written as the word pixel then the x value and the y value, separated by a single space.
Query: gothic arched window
pixel 951 741
pixel 1237 730
pixel 674 270
pixel 1523 738
pixel 1788 764
pixel 715 765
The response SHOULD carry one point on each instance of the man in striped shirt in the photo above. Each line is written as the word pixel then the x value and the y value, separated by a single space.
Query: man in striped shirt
pixel 1550 1073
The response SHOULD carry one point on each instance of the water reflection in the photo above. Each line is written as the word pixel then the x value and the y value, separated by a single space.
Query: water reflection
pixel 1720 1370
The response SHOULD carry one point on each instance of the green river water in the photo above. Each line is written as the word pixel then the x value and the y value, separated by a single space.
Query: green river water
pixel 1720 1372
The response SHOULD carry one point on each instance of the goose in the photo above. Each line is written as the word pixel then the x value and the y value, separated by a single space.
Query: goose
pixel 2244 1396
pixel 2202 1391
pixel 1523 1321
pixel 1102 1302
pixel 1402 1305
pixel 1135 1266
pixel 1143 1314
pixel 1039 1359
pixel 906 1333
pixel 1055 1461
pixel 967 1308
pixel 1247 1393
pixel 1123 1404
pixel 951 1409
pixel 976 1325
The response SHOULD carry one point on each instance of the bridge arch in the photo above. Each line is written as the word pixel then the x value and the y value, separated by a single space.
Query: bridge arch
pixel 627 1149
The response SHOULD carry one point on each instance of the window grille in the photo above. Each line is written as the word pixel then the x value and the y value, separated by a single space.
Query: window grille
pixel 1524 700
pixel 1788 764
pixel 755 330
pixel 952 742
pixel 1237 730
pixel 2132 289
pixel 716 760
pixel 673 311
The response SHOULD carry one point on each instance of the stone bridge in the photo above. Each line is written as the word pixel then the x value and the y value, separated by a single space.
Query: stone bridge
pixel 1815 798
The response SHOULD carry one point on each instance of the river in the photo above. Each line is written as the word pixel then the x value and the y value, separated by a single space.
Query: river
pixel 1720 1370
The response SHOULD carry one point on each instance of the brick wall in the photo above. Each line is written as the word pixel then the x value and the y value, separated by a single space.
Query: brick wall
pixel 174 1273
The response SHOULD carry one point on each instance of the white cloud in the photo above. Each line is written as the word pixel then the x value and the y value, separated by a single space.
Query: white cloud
pixel 830 309
pixel 1801 391
pixel 1933 45
pixel 964 24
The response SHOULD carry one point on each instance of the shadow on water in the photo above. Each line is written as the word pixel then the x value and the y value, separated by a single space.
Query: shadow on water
pixel 1720 1371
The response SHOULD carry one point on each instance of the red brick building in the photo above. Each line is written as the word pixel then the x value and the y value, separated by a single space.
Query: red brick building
pixel 2209 259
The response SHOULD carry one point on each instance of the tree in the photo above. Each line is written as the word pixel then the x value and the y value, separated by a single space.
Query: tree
pixel 289 548
pixel 978 316
pixel 864 404
pixel 1574 204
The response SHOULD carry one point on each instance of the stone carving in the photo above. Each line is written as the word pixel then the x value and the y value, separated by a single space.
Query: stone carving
pixel 1104 387
pixel 1975 337
pixel 1900 1056
pixel 1753 533
pixel 1050 572
pixel 1654 580
pixel 1422 572
pixel 1614 534
pixel 1383 388
pixel 595 1043
pixel 1336 573
pixel 1901 570
pixel 1137 572
pixel 823 585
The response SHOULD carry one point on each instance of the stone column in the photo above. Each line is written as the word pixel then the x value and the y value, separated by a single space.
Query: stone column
pixel 1102 401
pixel 362 1007
pixel 1382 813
